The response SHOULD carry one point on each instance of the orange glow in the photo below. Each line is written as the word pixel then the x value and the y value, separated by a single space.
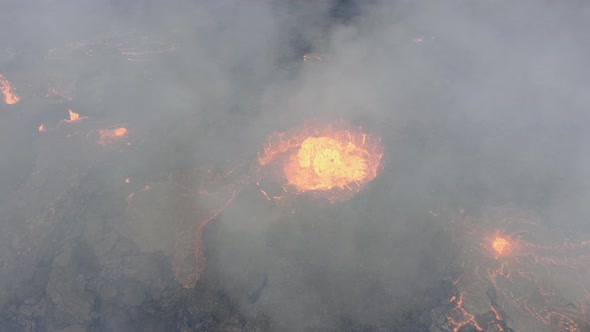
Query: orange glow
pixel 326 160
pixel 331 161
pixel 188 267
pixel 500 245
pixel 74 117
pixel 108 136
pixel 10 97
pixel 42 127
pixel 224 197
pixel 315 58
pixel 323 163
pixel 514 266
pixel 127 180
pixel 459 317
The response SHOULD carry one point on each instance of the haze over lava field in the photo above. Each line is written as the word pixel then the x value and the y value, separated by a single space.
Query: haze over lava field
pixel 294 166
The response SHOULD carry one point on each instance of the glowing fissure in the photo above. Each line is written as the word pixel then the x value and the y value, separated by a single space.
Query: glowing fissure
pixel 500 244
pixel 187 268
pixel 10 97
pixel 510 260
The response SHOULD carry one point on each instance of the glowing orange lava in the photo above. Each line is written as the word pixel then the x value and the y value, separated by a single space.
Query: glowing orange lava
pixel 500 245
pixel 189 265
pixel 108 136
pixel 10 97
pixel 41 127
pixel 74 117
pixel 331 161
pixel 521 270
pixel 326 160
pixel 459 317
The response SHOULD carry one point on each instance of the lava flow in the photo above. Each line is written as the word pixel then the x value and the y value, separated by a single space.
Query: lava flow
pixel 189 255
pixel 194 199
pixel 331 162
pixel 10 97
pixel 74 117
pixel 108 136
pixel 533 282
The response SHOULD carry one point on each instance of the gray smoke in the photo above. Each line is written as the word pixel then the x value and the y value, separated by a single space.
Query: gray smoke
pixel 477 104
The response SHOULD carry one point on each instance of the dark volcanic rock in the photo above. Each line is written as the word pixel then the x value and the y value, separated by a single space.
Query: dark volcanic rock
pixel 66 289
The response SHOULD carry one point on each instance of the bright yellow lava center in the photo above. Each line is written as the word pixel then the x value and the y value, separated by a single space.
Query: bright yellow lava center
pixel 323 163
pixel 500 244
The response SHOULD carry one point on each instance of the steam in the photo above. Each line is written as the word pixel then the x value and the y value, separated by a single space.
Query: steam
pixel 477 104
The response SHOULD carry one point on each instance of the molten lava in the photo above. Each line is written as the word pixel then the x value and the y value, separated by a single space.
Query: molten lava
pixel 331 161
pixel 74 117
pixel 108 136
pixel 323 163
pixel 500 245
pixel 539 282
pixel 10 97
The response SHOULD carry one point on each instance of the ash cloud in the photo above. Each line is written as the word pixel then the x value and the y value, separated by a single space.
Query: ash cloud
pixel 477 104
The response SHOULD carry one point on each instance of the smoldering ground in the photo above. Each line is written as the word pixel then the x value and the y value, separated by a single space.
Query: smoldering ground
pixel 477 104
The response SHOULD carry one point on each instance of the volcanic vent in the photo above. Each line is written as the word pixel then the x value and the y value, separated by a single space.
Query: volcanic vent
pixel 332 161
